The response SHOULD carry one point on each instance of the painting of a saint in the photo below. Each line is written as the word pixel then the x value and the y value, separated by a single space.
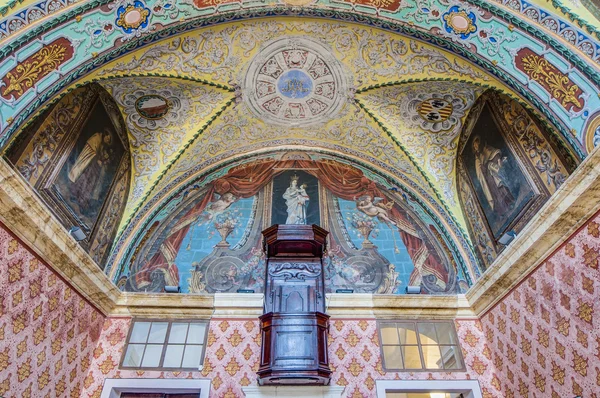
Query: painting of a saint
pixel 490 171
pixel 499 182
pixel 90 168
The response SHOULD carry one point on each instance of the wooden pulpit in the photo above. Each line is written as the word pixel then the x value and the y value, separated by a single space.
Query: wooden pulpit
pixel 294 325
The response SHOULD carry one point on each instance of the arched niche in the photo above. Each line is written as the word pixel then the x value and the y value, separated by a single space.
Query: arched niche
pixel 206 238
pixel 508 166
pixel 76 156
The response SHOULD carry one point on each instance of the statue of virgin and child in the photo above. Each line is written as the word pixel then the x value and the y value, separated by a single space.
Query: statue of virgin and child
pixel 296 200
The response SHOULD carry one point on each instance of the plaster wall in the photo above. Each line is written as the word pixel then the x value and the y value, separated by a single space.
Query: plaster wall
pixel 48 332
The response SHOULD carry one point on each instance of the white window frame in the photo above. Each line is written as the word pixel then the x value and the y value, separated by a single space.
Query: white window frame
pixel 114 387
pixel 469 388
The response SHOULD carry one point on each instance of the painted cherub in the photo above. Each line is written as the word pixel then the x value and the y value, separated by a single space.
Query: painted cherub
pixel 375 208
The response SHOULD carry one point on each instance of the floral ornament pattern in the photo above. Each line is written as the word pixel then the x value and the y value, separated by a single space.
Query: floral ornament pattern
pixel 98 30
pixel 28 73
pixel 544 336
pixel 48 332
pixel 557 84
pixel 233 357
pixel 132 17
pixel 459 22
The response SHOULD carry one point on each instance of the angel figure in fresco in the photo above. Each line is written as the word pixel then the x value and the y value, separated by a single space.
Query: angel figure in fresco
pixel 488 167
pixel 296 200
pixel 220 205
pixel 375 208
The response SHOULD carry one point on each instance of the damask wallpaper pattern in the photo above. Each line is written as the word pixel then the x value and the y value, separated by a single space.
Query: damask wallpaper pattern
pixel 544 337
pixel 48 332
pixel 233 353
pixel 541 340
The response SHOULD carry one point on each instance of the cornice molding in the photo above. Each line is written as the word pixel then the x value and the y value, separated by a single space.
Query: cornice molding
pixel 25 215
pixel 23 212
pixel 570 207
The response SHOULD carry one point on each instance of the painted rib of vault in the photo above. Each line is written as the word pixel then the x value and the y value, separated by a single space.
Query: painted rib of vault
pixel 464 29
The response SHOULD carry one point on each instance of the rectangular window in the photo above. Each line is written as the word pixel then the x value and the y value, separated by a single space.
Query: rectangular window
pixel 411 345
pixel 165 345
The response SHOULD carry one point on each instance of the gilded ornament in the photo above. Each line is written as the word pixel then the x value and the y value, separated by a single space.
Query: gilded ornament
pixel 459 22
pixel 548 76
pixel 132 17
pixel 26 74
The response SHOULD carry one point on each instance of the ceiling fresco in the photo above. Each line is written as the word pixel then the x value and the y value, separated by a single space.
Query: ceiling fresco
pixel 162 116
pixel 216 57
pixel 427 119
pixel 544 63
pixel 202 85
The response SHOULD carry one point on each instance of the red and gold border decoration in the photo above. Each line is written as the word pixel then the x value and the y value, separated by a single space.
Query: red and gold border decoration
pixel 387 5
pixel 556 83
pixel 203 4
pixel 34 68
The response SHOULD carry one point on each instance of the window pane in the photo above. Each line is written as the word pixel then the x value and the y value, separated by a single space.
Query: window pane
pixel 178 332
pixel 133 356
pixel 412 360
pixel 407 333
pixel 389 335
pixel 445 333
pixel 173 356
pixel 427 333
pixel 196 333
pixel 432 357
pixel 139 332
pixel 451 357
pixel 158 332
pixel 391 356
pixel 152 355
pixel 191 359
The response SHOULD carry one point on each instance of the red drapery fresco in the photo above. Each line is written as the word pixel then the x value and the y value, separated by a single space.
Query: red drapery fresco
pixel 344 181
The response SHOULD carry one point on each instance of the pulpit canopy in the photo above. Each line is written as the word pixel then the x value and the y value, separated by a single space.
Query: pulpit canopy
pixel 282 240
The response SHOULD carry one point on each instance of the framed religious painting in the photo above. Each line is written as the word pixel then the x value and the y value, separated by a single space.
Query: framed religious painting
pixel 497 172
pixel 88 165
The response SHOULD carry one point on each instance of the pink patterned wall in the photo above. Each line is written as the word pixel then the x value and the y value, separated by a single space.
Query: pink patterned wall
pixel 233 350
pixel 541 340
pixel 47 330
pixel 544 337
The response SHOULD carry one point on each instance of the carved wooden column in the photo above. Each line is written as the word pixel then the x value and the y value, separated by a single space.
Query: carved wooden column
pixel 294 326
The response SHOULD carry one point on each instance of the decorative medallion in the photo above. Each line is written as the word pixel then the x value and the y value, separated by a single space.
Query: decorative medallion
pixel 459 22
pixel 435 112
pixel 592 133
pixel 435 109
pixel 152 106
pixel 132 17
pixel 295 81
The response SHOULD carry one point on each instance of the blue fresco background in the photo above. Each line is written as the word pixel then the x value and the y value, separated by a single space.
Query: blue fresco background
pixel 388 242
pixel 201 239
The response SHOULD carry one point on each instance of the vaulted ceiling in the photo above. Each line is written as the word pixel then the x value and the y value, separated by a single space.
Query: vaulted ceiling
pixel 383 67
